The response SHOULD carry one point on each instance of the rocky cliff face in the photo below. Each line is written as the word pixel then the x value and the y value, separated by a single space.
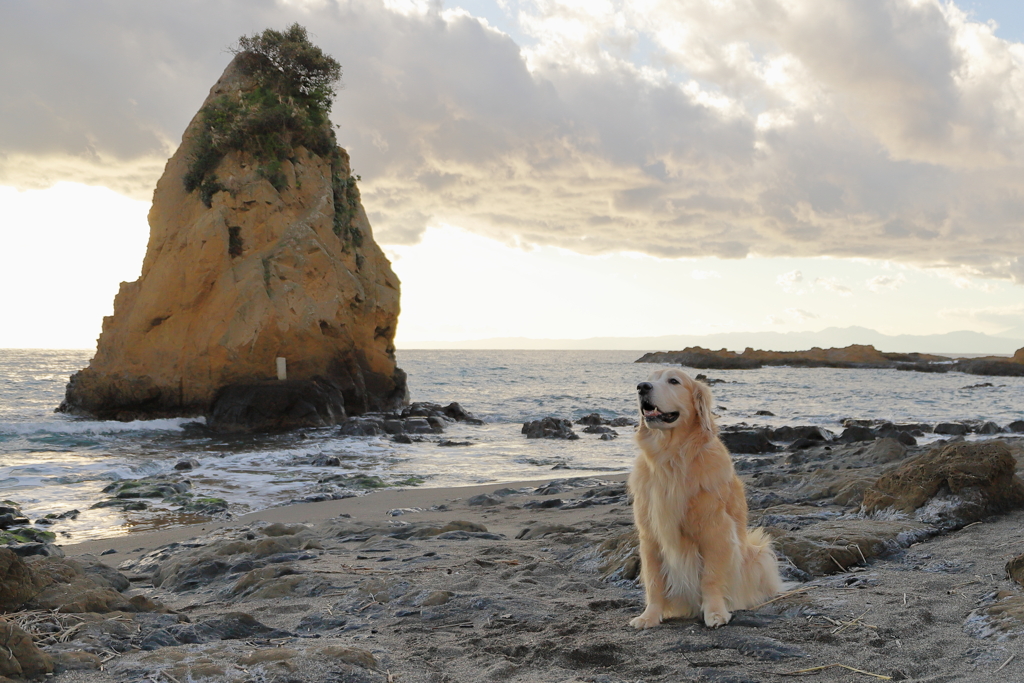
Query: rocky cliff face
pixel 240 272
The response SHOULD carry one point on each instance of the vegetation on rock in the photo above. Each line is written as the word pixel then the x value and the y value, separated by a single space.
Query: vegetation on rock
pixel 289 108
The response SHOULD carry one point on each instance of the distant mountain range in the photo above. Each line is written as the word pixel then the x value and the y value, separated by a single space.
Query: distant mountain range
pixel 951 343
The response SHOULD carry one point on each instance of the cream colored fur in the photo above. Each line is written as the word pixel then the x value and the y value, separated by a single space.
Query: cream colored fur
pixel 697 555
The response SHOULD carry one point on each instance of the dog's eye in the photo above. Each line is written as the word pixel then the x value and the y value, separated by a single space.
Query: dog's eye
pixel 673 380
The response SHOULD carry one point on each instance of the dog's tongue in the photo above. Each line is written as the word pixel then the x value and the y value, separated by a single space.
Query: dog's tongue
pixel 652 413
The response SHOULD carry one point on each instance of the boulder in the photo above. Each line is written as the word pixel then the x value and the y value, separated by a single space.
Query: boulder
pixel 73 586
pixel 809 432
pixel 249 260
pixel 988 428
pixel 456 412
pixel 1017 426
pixel 18 585
pixel 747 441
pixel 274 405
pixel 951 486
pixel 906 438
pixel 951 428
pixel 19 655
pixel 856 433
pixel 549 428
pixel 600 429
pixel 886 450
pixel 66 585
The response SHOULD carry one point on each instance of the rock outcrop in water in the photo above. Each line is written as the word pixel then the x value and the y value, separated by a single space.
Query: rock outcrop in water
pixel 259 248
pixel 853 356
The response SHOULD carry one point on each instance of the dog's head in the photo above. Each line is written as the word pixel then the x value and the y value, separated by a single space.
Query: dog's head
pixel 670 399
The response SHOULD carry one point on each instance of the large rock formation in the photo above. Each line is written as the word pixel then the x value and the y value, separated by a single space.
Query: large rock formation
pixel 248 266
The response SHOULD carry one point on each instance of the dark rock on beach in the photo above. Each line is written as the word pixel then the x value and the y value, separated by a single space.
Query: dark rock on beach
pixel 951 486
pixel 549 428
pixel 19 655
pixel 856 433
pixel 809 432
pixel 747 441
pixel 276 405
pixel 951 428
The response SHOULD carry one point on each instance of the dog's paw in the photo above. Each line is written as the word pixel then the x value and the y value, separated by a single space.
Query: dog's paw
pixel 645 620
pixel 714 618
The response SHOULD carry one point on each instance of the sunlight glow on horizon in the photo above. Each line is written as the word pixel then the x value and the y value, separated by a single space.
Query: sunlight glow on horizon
pixel 460 286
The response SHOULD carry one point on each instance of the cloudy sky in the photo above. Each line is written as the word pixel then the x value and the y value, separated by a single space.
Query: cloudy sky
pixel 561 168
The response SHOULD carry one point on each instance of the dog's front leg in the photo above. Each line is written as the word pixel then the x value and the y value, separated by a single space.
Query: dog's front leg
pixel 653 577
pixel 718 550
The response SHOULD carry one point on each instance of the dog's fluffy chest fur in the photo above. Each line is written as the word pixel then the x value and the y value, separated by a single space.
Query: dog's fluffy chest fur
pixel 665 488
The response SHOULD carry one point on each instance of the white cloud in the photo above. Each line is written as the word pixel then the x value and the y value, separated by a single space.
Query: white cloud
pixel 881 283
pixel 833 285
pixel 995 317
pixel 705 275
pixel 889 129
pixel 801 315
pixel 790 282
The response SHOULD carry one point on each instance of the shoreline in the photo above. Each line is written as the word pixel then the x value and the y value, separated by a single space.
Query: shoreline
pixel 372 506
pixel 535 582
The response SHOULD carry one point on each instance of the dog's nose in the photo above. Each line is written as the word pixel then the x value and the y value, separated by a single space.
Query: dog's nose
pixel 644 387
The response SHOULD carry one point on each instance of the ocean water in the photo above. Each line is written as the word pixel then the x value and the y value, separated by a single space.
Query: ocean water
pixel 50 463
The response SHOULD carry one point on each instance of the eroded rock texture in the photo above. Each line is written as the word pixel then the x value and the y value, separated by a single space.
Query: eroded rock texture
pixel 265 270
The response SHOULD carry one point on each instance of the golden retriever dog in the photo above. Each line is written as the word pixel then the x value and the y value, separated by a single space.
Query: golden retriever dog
pixel 696 554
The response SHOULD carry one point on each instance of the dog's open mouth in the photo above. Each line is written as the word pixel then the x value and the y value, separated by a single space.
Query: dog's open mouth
pixel 652 414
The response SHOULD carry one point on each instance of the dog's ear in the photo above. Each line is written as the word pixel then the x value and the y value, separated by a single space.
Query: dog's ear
pixel 702 407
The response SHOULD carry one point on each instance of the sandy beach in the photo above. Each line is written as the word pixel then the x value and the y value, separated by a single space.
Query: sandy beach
pixel 534 581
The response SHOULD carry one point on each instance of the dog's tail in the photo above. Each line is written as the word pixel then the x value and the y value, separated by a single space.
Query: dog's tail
pixel 759 576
